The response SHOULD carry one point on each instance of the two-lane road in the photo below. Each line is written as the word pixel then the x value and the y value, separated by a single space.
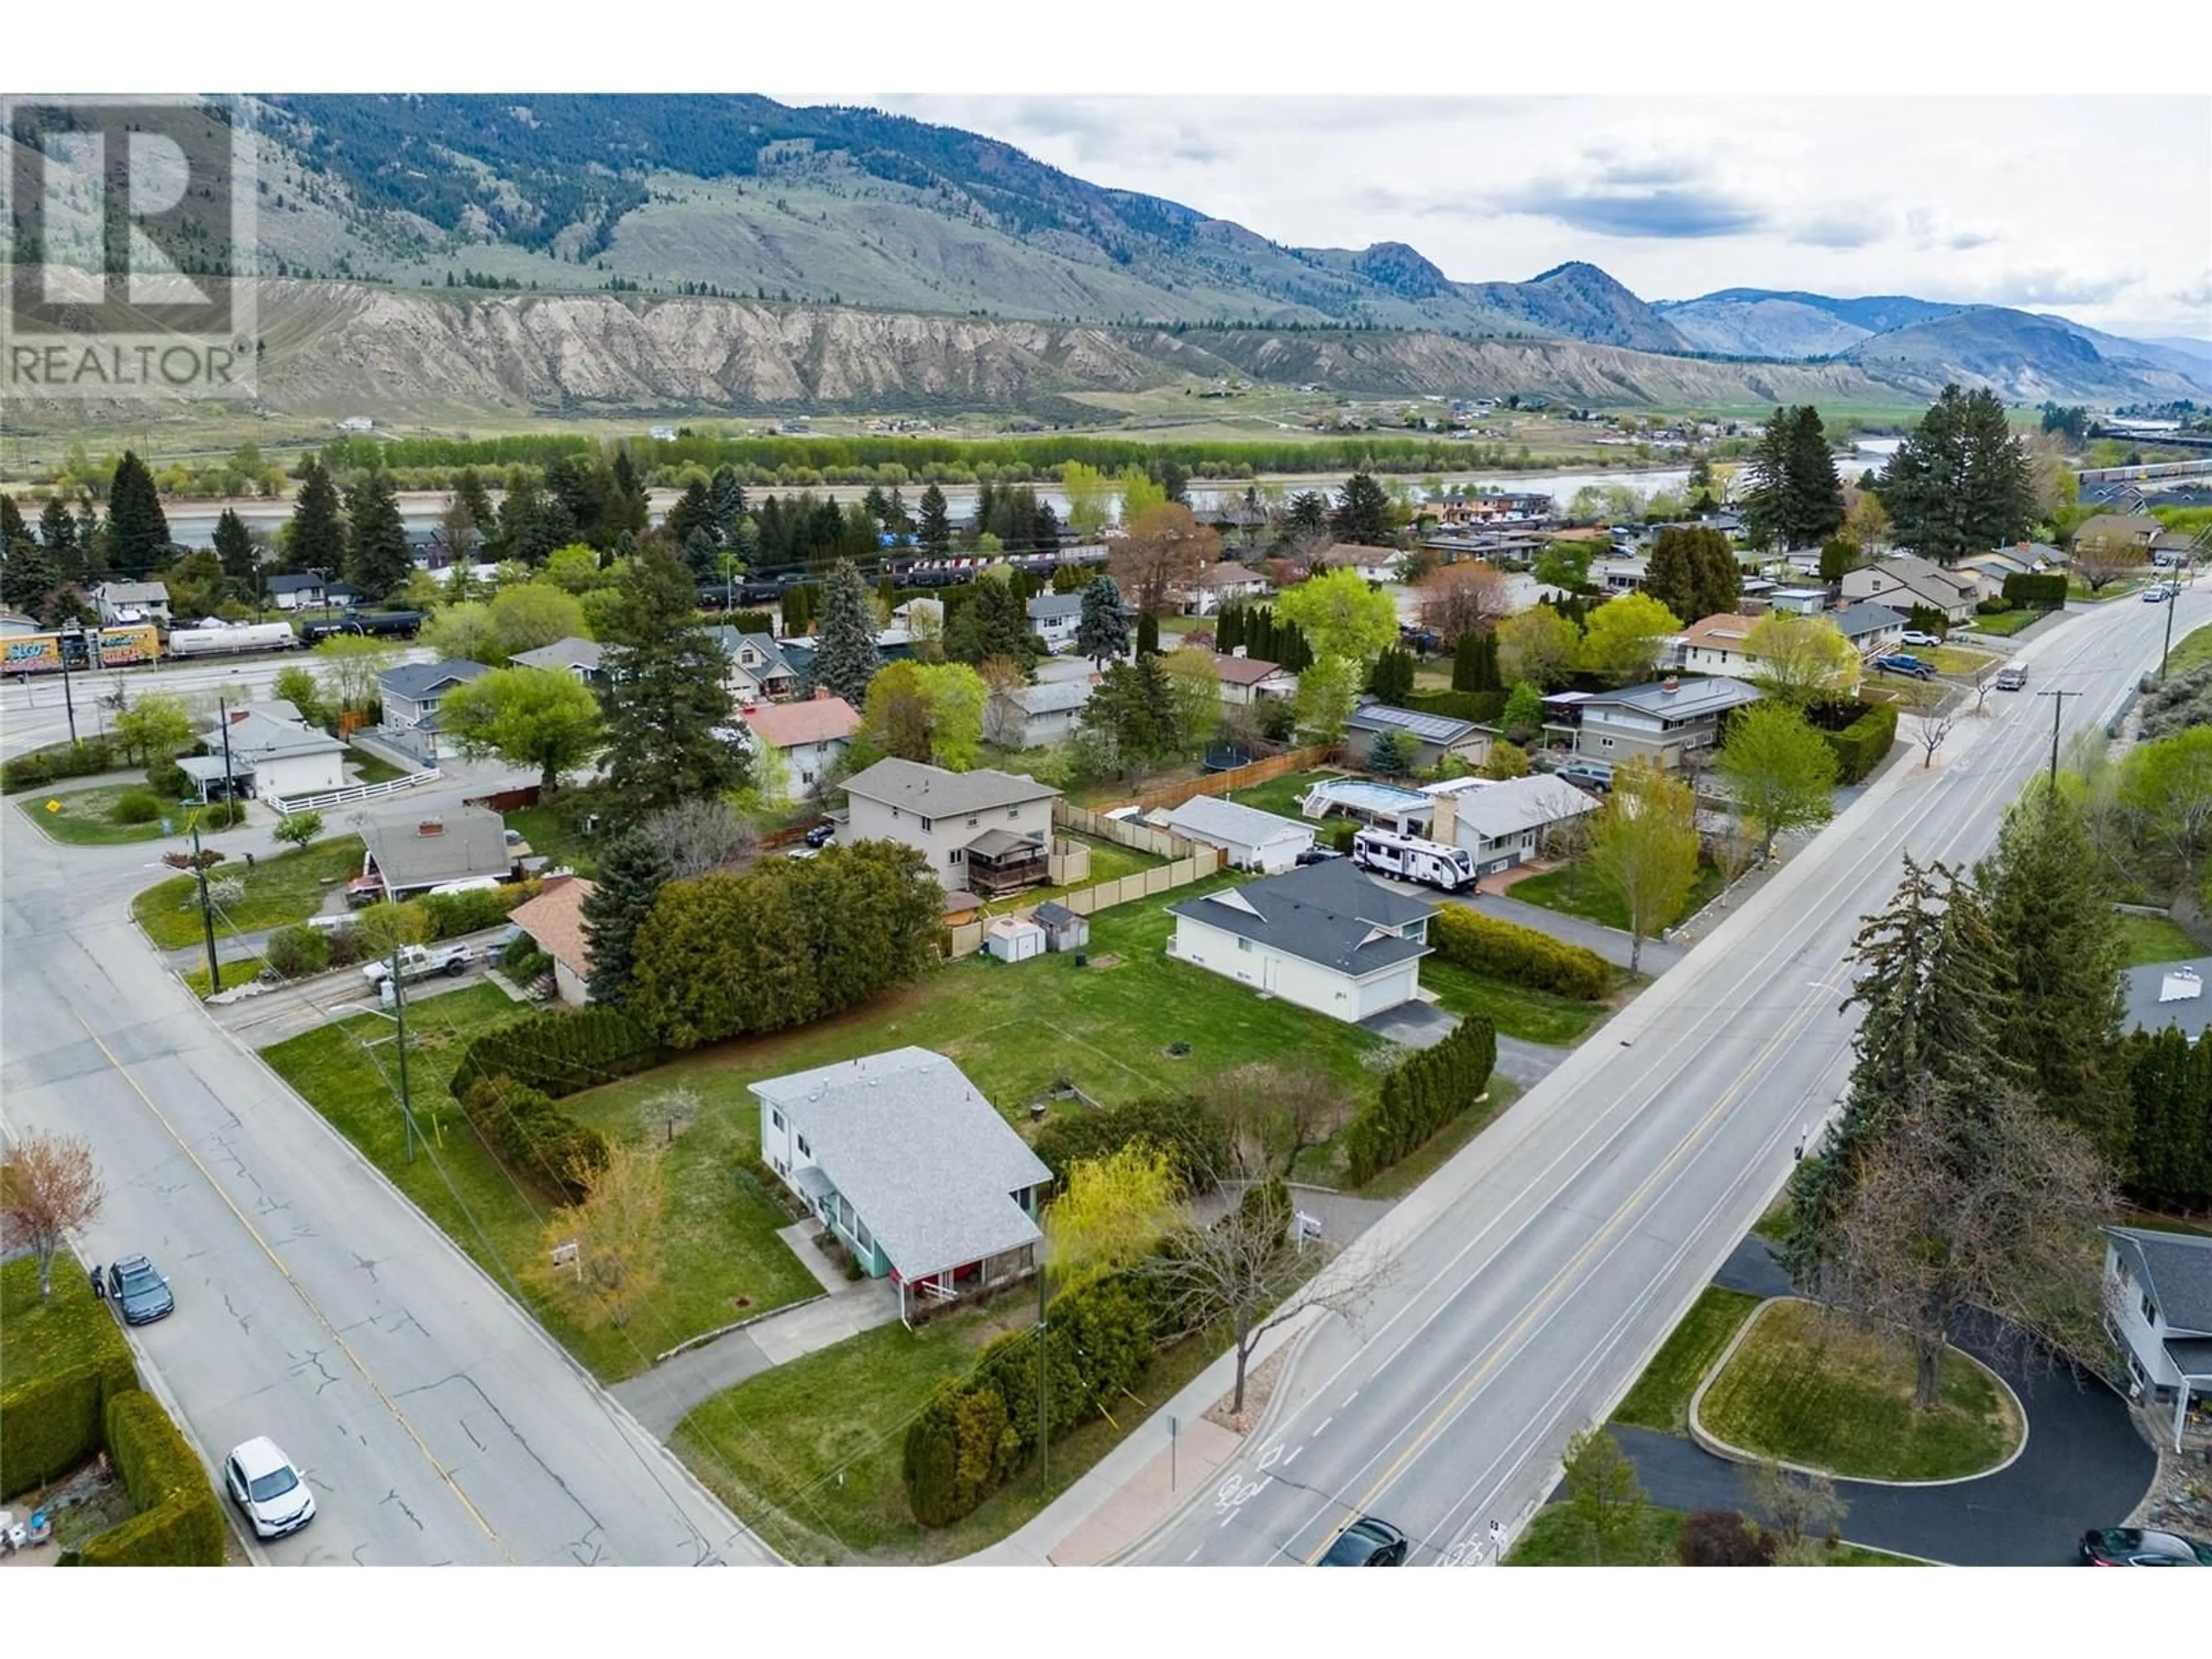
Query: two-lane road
pixel 1540 1269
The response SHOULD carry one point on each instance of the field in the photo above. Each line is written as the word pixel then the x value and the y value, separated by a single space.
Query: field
pixel 279 891
pixel 87 816
pixel 2154 938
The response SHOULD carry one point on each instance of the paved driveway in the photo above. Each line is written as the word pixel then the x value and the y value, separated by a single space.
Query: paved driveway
pixel 1414 1025
pixel 1609 942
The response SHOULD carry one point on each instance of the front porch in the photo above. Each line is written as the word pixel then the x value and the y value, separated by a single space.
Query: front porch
pixel 925 1296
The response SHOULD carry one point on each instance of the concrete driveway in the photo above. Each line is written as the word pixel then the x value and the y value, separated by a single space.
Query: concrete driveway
pixel 1412 1024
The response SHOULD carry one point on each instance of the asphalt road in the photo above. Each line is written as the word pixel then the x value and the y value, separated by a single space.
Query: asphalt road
pixel 436 1421
pixel 1538 1272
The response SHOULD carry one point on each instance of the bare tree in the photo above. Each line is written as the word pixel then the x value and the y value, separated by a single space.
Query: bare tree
pixel 702 836
pixel 1984 1203
pixel 1162 551
pixel 1276 1113
pixel 2101 560
pixel 1602 1492
pixel 1246 1273
pixel 1798 1508
pixel 49 1188
pixel 1981 678
pixel 1459 599
pixel 1930 729
pixel 1734 850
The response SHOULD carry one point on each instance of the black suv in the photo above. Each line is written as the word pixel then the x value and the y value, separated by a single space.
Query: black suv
pixel 140 1294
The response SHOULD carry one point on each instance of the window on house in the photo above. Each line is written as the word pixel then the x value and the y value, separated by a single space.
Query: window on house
pixel 2149 1311
pixel 1243 943
pixel 1605 742
pixel 804 1150
pixel 860 1234
pixel 1014 812
pixel 972 822
pixel 927 826
pixel 775 1117
pixel 806 777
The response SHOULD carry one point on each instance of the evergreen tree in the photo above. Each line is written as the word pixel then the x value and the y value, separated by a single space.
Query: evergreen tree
pixel 666 695
pixel 318 539
pixel 1794 497
pixel 1693 573
pixel 1148 636
pixel 632 871
pixel 234 545
pixel 693 514
pixel 2058 943
pixel 726 496
pixel 1364 516
pixel 2169 1162
pixel 56 529
pixel 998 625
pixel 936 534
pixel 629 507
pixel 1391 679
pixel 1961 482
pixel 470 493
pixel 1228 630
pixel 137 530
pixel 14 533
pixel 1307 515
pixel 846 659
pixel 28 578
pixel 700 555
pixel 1134 705
pixel 378 560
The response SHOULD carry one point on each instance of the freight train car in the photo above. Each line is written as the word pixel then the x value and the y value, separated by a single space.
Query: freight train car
pixel 48 654
pixel 228 640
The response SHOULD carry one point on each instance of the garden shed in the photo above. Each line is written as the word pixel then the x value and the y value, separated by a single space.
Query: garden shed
pixel 1063 929
pixel 1014 938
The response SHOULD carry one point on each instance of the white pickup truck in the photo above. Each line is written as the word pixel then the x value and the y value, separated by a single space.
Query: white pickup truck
pixel 420 962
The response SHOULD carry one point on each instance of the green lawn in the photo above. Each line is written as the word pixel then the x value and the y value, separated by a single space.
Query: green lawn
pixel 1531 1016
pixel 1280 795
pixel 723 1261
pixel 86 818
pixel 2154 939
pixel 549 838
pixel 2006 623
pixel 1774 1225
pixel 372 768
pixel 2192 650
pixel 279 891
pixel 68 1328
pixel 1814 1388
pixel 1576 890
pixel 1661 1398
pixel 1109 862
pixel 1556 1538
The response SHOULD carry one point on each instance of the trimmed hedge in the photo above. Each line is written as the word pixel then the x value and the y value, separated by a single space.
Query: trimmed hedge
pixel 453 914
pixel 1861 746
pixel 179 1523
pixel 60 760
pixel 1480 705
pixel 1189 1133
pixel 1428 1089
pixel 1507 950
pixel 558 1054
pixel 2027 588
pixel 52 1424
pixel 526 1130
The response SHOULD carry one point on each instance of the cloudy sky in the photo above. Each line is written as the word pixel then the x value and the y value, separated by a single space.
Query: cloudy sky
pixel 2099 208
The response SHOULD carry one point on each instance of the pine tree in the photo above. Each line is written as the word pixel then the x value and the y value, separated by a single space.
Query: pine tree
pixel 1228 630
pixel 57 530
pixel 692 514
pixel 632 871
pixel 936 534
pixel 1961 483
pixel 1766 483
pixel 1391 679
pixel 1363 517
pixel 14 533
pixel 726 496
pixel 1148 636
pixel 666 695
pixel 318 539
pixel 699 553
pixel 234 545
pixel 1816 493
pixel 999 623
pixel 28 578
pixel 137 530
pixel 1102 630
pixel 1693 573
pixel 846 658
pixel 378 559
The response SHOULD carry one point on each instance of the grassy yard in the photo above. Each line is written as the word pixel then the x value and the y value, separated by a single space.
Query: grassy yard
pixel 549 838
pixel 1556 1538
pixel 1280 795
pixel 1661 1398
pixel 1109 862
pixel 87 817
pixel 1774 1225
pixel 2192 650
pixel 371 768
pixel 722 1260
pixel 1576 890
pixel 68 1328
pixel 2006 623
pixel 2154 939
pixel 1813 1388
pixel 279 891
pixel 1531 1016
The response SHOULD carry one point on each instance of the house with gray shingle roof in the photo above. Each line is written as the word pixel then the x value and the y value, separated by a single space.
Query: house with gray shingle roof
pixel 984 829
pixel 572 655
pixel 2158 1303
pixel 1032 716
pixel 912 1167
pixel 1325 937
pixel 1431 737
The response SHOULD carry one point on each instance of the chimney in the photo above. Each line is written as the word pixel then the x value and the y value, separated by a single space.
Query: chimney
pixel 558 879
pixel 823 694
pixel 431 827
pixel 1670 685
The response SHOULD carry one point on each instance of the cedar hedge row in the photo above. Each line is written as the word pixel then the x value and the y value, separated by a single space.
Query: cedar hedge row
pixel 453 914
pixel 178 1523
pixel 1861 745
pixel 51 1424
pixel 1419 1097
pixel 59 760
pixel 1507 950
pixel 558 1054
pixel 526 1130
pixel 2024 588
pixel 1480 706
pixel 1193 1137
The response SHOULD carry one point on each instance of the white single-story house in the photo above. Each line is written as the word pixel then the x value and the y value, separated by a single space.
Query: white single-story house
pixel 1798 601
pixel 1247 680
pixel 1054 617
pixel 302 591
pixel 912 1167
pixel 1220 584
pixel 1252 839
pixel 1428 738
pixel 132 602
pixel 1716 644
pixel 1032 716
pixel 554 919
pixel 1502 824
pixel 811 736
pixel 1377 564
pixel 272 754
pixel 2158 1304
pixel 1871 629
pixel 1324 937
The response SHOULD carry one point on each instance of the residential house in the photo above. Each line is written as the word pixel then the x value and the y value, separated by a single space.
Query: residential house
pixel 985 830
pixel 569 656
pixel 1325 937
pixel 1054 618
pixel 1661 721
pixel 1990 569
pixel 2158 1303
pixel 1252 839
pixel 301 592
pixel 810 736
pixel 1377 564
pixel 759 670
pixel 1904 580
pixel 2166 993
pixel 1717 644
pixel 912 1167
pixel 554 919
pixel 2134 528
pixel 1872 628
pixel 1504 823
pixel 1798 601
pixel 266 752
pixel 1428 738
pixel 1619 574
pixel 1219 585
pixel 13 625
pixel 1246 680
pixel 343 595
pixel 1032 716
pixel 412 694
pixel 132 602
pixel 410 853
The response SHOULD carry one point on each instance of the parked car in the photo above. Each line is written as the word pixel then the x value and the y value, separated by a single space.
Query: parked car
pixel 1318 855
pixel 2157 594
pixel 268 1488
pixel 821 835
pixel 420 962
pixel 1590 776
pixel 1914 636
pixel 2132 1546
pixel 139 1293
pixel 1367 1542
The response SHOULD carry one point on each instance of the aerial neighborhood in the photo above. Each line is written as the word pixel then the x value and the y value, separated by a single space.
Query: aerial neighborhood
pixel 977 987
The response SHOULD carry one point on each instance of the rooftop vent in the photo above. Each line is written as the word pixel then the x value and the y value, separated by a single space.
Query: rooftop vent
pixel 1670 685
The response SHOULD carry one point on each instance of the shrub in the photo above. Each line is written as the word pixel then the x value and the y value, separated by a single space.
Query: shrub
pixel 138 806
pixel 527 1132
pixel 166 779
pixel 453 914
pixel 1342 834
pixel 558 1054
pixel 51 1424
pixel 1992 607
pixel 297 952
pixel 1186 1130
pixel 56 761
pixel 1926 619
pixel 178 1523
pixel 1507 950
pixel 1722 1538
pixel 1423 1093
pixel 523 960
pixel 1483 706
pixel 2027 588
pixel 1861 745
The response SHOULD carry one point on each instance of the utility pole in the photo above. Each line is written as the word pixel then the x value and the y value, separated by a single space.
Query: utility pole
pixel 207 910
pixel 229 782
pixel 62 645
pixel 2057 708
pixel 399 1039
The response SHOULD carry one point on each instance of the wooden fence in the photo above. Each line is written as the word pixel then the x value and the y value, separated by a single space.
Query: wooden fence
pixel 1196 863
pixel 1240 777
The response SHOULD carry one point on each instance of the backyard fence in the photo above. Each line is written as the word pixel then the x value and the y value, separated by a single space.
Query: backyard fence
pixel 507 801
pixel 1242 777
pixel 351 793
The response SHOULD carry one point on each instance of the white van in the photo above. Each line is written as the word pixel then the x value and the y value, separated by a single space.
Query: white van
pixel 2013 676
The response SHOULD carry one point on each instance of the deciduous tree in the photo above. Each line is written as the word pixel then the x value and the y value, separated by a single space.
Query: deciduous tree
pixel 2102 559
pixel 1341 614
pixel 1158 553
pixel 1111 1213
pixel 1468 598
pixel 1778 771
pixel 1194 689
pixel 532 615
pixel 1329 691
pixel 1603 1491
pixel 49 1188
pixel 298 829
pixel 537 717
pixel 602 1259
pixel 155 728
pixel 1796 659
pixel 351 666
pixel 1644 847
pixel 1538 645
pixel 1622 640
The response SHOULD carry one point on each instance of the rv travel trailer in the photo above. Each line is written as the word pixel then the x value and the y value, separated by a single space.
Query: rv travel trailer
pixel 1411 859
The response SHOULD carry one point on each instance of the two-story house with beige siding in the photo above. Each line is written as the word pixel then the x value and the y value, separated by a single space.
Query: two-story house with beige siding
pixel 984 831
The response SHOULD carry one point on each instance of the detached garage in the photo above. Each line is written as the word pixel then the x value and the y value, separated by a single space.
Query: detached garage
pixel 1251 839
pixel 1325 937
